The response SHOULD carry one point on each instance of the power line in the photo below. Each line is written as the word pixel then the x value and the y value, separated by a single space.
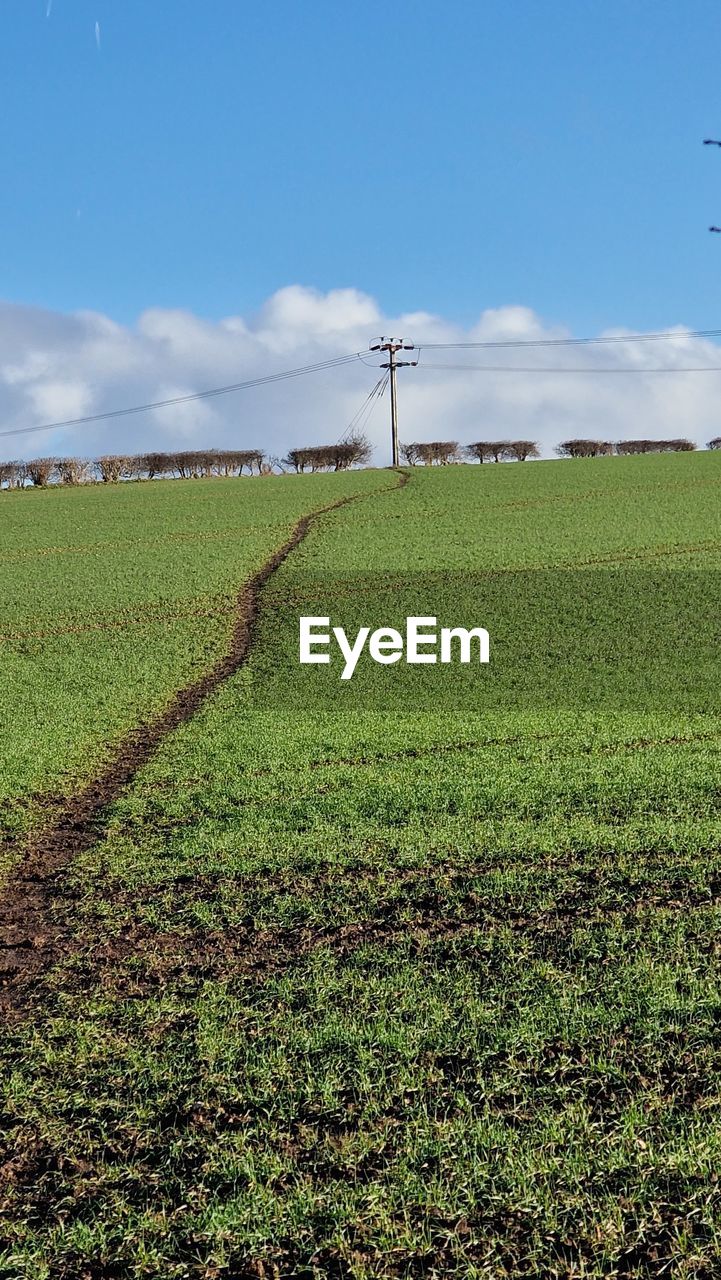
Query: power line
pixel 379 389
pixel 569 342
pixel 377 395
pixel 360 418
pixel 509 368
pixel 187 399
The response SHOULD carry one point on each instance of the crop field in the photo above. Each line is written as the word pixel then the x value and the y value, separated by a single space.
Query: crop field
pixel 411 976
pixel 112 599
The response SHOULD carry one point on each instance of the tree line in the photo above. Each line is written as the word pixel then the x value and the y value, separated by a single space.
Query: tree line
pixel 186 464
pixel 443 452
pixel 356 451
pixel 600 448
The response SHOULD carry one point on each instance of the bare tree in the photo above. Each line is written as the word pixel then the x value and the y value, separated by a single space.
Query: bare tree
pixel 249 458
pixel 230 462
pixel 278 464
pixel 8 475
pixel 480 450
pixel 132 467
pixel 654 446
pixel 324 457
pixel 631 447
pixel 39 471
pixel 357 450
pixel 445 452
pixel 156 464
pixel 409 454
pixel 185 463
pixel 499 450
pixel 584 448
pixel 523 449
pixel 435 452
pixel 20 474
pixel 73 471
pixel 296 459
pixel 113 467
pixel 224 463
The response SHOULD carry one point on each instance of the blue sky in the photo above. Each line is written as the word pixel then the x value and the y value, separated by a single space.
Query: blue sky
pixel 447 157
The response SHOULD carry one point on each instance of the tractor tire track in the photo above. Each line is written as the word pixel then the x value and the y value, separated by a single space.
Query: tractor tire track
pixel 521 741
pixel 31 937
pixel 438 903
pixel 257 955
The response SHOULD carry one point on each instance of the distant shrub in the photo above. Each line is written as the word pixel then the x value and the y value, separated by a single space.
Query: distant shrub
pixel 299 459
pixel 523 449
pixel 12 474
pixel 230 462
pixel 192 464
pixel 155 464
pixel 330 457
pixel 584 448
pixel 73 471
pixel 715 443
pixel 112 468
pixel 480 451
pixel 431 453
pixel 132 469
pixel 633 446
pixel 358 451
pixel 626 447
pixel 409 454
pixel 501 450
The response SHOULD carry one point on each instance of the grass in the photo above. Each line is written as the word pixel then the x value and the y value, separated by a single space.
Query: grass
pixel 401 987
pixel 112 598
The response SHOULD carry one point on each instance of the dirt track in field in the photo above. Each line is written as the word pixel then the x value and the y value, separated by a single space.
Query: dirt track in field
pixel 31 938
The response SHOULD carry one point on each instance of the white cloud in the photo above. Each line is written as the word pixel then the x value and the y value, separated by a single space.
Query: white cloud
pixel 57 366
pixel 295 310
pixel 185 423
pixel 60 398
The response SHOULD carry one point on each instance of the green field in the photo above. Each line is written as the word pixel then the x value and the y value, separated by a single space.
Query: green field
pixel 404 979
pixel 112 598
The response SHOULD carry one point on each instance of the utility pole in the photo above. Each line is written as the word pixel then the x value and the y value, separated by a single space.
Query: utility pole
pixel 712 142
pixel 393 346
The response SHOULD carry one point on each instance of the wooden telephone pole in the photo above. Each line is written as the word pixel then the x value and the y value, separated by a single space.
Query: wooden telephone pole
pixel 393 346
